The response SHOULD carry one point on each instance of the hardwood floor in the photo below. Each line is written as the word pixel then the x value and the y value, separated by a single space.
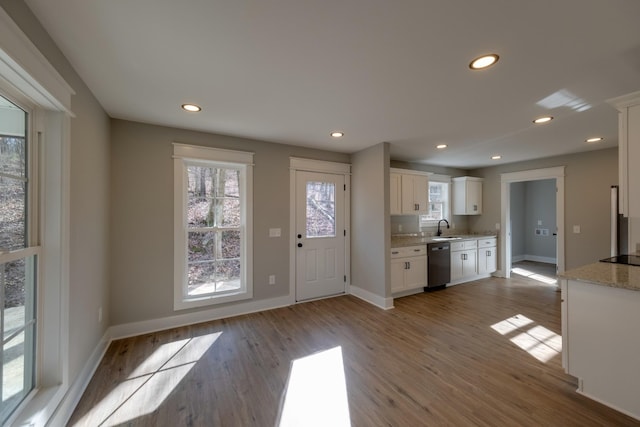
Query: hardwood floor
pixel 450 357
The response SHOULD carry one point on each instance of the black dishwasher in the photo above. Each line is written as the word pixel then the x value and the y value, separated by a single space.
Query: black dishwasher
pixel 438 265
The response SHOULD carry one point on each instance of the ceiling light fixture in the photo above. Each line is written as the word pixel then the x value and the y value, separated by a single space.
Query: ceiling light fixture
pixel 541 120
pixel 192 108
pixel 596 139
pixel 484 61
pixel 337 134
pixel 496 157
pixel 441 146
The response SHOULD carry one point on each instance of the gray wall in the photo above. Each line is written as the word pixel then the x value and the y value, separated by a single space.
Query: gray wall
pixel 142 215
pixel 370 235
pixel 540 205
pixel 531 202
pixel 588 178
pixel 89 198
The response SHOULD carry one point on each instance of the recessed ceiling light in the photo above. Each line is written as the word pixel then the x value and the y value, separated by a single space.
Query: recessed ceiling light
pixel 484 61
pixel 496 157
pixel 597 139
pixel 192 108
pixel 441 146
pixel 541 120
pixel 337 134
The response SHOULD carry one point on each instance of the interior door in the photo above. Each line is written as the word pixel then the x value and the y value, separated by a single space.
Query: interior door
pixel 320 235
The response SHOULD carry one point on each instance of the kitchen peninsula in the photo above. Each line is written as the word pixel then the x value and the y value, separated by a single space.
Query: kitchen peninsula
pixel 601 334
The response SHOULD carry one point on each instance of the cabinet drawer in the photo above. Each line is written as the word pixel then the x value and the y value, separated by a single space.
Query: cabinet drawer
pixel 408 251
pixel 457 246
pixel 486 243
pixel 470 244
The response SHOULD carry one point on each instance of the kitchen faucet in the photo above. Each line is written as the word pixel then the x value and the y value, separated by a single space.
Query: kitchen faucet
pixel 439 233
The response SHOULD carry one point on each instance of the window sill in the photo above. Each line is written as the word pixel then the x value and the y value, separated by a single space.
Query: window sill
pixel 210 300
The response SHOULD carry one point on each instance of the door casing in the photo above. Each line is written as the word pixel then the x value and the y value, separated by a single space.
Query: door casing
pixel 298 164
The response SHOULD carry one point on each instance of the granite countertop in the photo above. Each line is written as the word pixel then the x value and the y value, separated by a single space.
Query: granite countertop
pixel 606 274
pixel 413 240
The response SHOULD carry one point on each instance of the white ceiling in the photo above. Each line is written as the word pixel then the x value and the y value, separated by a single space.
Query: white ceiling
pixel 291 71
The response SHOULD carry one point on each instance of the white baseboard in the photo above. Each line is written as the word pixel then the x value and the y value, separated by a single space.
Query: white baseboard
pixel 66 407
pixel 535 258
pixel 409 292
pixel 371 298
pixel 147 326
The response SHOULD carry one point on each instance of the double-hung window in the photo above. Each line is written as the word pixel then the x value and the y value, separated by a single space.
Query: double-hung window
pixel 439 200
pixel 18 258
pixel 213 226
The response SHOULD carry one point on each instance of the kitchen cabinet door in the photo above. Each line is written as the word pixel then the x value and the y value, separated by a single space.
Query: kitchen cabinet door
pixel 415 194
pixel 395 190
pixel 487 261
pixel 397 274
pixel 463 264
pixel 416 275
pixel 467 195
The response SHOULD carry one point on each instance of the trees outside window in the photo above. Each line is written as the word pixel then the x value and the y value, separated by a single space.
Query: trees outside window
pixel 439 203
pixel 212 226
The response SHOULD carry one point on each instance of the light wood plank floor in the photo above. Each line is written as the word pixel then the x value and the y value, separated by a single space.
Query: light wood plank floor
pixel 433 360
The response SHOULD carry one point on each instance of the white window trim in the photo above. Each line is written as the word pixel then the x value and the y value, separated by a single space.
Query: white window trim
pixel 447 215
pixel 24 71
pixel 183 153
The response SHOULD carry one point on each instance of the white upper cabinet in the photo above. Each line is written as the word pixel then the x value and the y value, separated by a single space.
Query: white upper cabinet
pixel 628 159
pixel 409 192
pixel 467 195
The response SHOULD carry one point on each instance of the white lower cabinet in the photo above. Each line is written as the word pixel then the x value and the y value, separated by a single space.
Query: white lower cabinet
pixel 487 256
pixel 408 268
pixel 464 262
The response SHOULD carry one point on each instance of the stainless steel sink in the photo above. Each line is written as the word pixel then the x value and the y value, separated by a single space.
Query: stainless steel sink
pixel 444 239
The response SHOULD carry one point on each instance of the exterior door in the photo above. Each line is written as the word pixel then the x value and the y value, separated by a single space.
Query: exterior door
pixel 320 235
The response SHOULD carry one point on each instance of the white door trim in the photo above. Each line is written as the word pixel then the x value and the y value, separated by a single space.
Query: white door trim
pixel 310 165
pixel 506 179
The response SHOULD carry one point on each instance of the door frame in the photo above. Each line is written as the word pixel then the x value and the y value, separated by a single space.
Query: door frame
pixel 506 179
pixel 309 165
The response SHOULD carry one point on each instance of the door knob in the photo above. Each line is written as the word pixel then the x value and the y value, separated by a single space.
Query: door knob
pixel 299 245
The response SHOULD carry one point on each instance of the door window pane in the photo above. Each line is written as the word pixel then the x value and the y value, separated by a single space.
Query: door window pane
pixel 321 209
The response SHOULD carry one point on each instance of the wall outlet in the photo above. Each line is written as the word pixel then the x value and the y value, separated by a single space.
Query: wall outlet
pixel 497 226
pixel 100 315
pixel 399 228
pixel 539 222
pixel 272 279
pixel 576 229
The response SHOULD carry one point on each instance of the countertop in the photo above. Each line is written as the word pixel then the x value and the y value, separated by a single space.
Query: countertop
pixel 402 241
pixel 606 274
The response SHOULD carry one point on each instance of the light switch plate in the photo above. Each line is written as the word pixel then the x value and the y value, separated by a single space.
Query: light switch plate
pixel 576 229
pixel 275 232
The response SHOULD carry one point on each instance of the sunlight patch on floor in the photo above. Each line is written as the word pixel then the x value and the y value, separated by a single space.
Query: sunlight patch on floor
pixel 150 383
pixel 531 275
pixel 316 393
pixel 538 341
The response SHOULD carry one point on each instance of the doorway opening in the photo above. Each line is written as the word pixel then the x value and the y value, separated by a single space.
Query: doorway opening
pixel 541 228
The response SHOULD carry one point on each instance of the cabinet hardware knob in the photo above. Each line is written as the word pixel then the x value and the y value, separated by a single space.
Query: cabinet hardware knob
pixel 299 236
pixel 299 245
